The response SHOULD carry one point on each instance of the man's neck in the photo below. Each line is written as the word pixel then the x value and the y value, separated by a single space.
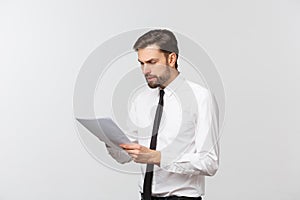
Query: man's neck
pixel 174 74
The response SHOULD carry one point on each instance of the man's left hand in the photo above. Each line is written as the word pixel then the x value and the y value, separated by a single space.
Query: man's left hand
pixel 141 154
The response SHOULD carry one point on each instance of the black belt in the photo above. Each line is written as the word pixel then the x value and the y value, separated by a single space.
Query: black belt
pixel 174 198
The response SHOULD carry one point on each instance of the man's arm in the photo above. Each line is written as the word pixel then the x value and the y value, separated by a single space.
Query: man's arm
pixel 204 161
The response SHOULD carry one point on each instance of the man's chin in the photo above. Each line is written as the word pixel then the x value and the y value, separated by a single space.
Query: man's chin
pixel 153 85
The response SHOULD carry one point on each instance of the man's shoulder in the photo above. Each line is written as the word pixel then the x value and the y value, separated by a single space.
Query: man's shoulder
pixel 143 93
pixel 198 89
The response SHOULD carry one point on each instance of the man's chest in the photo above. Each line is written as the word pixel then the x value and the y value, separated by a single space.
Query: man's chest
pixel 176 119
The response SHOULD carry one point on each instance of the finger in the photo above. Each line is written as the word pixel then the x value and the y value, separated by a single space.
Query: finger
pixel 133 156
pixel 130 146
pixel 136 152
pixel 138 160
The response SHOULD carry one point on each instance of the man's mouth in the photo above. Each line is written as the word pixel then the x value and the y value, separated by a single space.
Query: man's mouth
pixel 150 78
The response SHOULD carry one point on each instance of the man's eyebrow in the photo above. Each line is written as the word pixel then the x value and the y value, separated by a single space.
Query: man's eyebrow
pixel 148 61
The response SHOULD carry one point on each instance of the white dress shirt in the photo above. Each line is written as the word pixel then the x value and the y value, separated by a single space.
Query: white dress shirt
pixel 187 137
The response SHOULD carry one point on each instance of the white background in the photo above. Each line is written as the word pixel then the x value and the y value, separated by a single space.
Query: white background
pixel 254 44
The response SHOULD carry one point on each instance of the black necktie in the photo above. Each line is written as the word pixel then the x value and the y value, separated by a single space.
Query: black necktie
pixel 147 189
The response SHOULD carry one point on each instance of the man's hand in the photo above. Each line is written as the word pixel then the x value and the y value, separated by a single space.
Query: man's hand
pixel 141 154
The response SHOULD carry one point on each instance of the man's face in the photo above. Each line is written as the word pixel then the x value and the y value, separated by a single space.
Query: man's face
pixel 154 66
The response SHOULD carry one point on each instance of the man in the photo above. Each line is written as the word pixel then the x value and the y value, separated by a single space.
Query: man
pixel 178 141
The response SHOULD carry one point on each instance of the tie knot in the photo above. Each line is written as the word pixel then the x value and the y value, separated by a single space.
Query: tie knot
pixel 161 93
pixel 161 97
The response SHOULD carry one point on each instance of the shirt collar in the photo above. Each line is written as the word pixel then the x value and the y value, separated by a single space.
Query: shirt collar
pixel 170 89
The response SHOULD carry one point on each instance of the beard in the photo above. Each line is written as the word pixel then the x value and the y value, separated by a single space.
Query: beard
pixel 158 80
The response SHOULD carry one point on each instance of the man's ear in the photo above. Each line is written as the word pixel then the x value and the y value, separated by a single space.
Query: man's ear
pixel 172 59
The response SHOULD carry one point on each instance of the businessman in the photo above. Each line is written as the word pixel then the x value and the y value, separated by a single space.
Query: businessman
pixel 175 122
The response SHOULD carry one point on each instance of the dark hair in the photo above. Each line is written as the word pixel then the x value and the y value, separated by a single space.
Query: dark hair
pixel 164 39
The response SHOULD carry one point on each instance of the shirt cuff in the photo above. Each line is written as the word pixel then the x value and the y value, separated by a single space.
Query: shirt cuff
pixel 169 162
pixel 165 159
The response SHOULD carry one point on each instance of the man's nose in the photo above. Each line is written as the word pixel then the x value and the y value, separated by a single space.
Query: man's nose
pixel 146 69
